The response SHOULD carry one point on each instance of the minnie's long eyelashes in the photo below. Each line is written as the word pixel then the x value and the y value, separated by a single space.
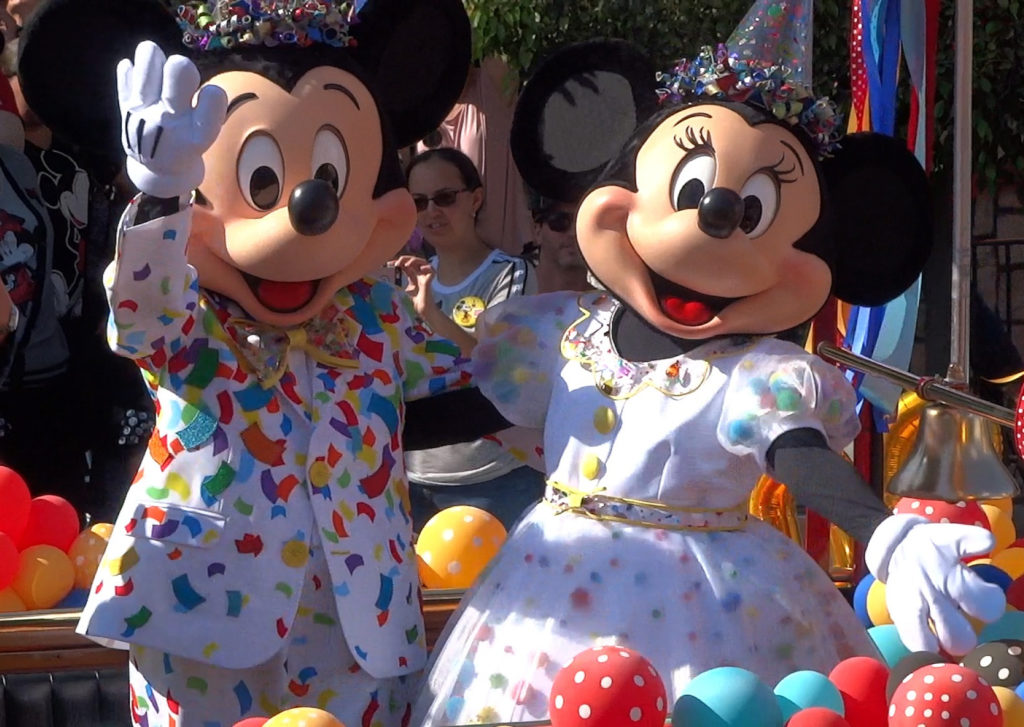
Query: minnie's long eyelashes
pixel 781 175
pixel 695 141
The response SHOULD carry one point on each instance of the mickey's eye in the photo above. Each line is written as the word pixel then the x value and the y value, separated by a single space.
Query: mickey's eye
pixel 330 158
pixel 694 176
pixel 760 197
pixel 260 171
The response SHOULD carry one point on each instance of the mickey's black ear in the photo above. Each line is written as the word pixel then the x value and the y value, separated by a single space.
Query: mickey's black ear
pixel 576 113
pixel 67 58
pixel 419 52
pixel 881 212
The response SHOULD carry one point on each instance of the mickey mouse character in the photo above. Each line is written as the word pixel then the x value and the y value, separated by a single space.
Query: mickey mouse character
pixel 263 558
pixel 719 213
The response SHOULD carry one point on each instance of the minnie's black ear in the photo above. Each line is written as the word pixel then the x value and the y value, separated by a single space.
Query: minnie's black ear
pixel 881 214
pixel 419 53
pixel 67 56
pixel 576 113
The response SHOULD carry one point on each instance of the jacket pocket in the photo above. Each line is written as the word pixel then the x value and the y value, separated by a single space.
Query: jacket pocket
pixel 176 524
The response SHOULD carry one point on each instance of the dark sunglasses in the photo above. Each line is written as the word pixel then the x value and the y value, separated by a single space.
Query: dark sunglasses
pixel 444 198
pixel 559 221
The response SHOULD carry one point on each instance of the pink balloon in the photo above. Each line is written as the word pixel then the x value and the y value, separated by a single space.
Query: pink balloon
pixel 816 717
pixel 252 722
pixel 14 503
pixel 52 520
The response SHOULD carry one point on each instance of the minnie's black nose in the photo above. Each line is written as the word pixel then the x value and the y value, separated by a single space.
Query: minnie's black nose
pixel 313 207
pixel 719 212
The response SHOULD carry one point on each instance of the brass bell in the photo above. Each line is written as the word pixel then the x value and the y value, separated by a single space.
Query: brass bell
pixel 953 459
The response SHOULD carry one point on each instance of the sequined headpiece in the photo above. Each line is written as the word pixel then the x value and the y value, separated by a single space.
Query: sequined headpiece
pixel 722 75
pixel 227 24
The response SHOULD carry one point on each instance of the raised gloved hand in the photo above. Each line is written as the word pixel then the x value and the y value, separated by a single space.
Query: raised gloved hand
pixel 928 587
pixel 163 134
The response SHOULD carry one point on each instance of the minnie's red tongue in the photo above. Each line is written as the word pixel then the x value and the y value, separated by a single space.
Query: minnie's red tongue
pixel 687 312
pixel 284 297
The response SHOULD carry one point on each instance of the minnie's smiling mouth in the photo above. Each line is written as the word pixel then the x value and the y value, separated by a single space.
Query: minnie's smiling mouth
pixel 279 296
pixel 687 306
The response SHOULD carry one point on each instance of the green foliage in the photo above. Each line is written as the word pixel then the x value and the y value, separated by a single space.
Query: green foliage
pixel 523 31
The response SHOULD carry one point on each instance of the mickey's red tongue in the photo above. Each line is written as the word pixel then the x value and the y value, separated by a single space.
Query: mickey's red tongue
pixel 687 312
pixel 280 296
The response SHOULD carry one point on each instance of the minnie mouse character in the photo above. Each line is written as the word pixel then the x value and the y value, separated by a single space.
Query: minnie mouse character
pixel 719 214
pixel 263 558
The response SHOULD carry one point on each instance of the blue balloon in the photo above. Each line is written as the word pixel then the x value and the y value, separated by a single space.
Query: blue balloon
pixel 860 600
pixel 1009 626
pixel 992 574
pixel 804 689
pixel 887 641
pixel 76 598
pixel 727 697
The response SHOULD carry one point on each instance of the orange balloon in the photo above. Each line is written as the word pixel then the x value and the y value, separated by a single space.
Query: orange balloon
pixel 1004 503
pixel 1013 707
pixel 45 577
pixel 456 545
pixel 1010 560
pixel 85 554
pixel 10 602
pixel 304 717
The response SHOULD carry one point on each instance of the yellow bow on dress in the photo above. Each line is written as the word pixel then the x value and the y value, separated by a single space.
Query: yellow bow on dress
pixel 264 348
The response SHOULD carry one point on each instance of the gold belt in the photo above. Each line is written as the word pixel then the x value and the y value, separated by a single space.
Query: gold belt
pixel 645 513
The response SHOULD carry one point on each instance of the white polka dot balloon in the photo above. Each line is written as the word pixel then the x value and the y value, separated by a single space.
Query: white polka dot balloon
pixel 608 686
pixel 944 695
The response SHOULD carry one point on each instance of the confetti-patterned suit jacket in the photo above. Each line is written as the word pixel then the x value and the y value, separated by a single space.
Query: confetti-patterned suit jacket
pixel 209 549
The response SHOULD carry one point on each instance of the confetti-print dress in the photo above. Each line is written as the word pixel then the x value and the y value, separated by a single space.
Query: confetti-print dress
pixel 642 540
pixel 250 472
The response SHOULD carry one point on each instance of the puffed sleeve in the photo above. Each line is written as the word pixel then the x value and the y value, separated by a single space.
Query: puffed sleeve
pixel 518 353
pixel 772 393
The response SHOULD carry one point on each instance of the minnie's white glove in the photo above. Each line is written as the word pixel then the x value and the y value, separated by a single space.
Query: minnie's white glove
pixel 162 133
pixel 926 581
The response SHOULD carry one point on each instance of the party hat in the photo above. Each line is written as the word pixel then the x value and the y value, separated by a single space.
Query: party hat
pixel 777 32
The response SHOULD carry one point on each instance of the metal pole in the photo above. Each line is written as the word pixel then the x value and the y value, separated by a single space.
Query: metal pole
pixel 960 325
pixel 930 389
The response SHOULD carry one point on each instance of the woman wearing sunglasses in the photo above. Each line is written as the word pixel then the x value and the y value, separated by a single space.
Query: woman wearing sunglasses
pixel 449 291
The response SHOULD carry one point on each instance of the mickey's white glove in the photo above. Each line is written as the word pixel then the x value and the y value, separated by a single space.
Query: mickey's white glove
pixel 162 133
pixel 926 581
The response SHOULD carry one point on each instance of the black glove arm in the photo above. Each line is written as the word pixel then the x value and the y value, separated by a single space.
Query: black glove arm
pixel 455 416
pixel 823 481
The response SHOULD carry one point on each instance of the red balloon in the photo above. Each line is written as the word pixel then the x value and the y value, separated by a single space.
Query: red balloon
pixel 1015 594
pixel 9 561
pixel 14 503
pixel 944 694
pixel 52 520
pixel 816 717
pixel 608 686
pixel 861 682
pixel 252 722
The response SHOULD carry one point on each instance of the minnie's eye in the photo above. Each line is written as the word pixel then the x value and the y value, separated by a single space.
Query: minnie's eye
pixel 760 197
pixel 330 158
pixel 260 171
pixel 691 180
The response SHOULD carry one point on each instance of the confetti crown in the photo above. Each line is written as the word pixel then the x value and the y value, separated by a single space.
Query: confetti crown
pixel 228 24
pixel 720 74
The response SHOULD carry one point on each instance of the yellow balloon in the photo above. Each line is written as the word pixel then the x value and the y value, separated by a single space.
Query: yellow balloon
pixel 1002 527
pixel 304 717
pixel 44 577
pixel 10 602
pixel 1013 707
pixel 878 611
pixel 1010 560
pixel 1003 503
pixel 456 545
pixel 85 554
pixel 104 530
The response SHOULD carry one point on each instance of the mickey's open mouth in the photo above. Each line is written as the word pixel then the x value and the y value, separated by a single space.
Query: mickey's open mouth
pixel 687 306
pixel 279 296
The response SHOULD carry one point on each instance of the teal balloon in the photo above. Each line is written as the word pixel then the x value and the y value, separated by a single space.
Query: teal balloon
pixel 1009 626
pixel 804 689
pixel 887 641
pixel 727 697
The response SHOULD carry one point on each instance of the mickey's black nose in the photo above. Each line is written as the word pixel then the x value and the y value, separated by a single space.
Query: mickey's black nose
pixel 313 207
pixel 719 212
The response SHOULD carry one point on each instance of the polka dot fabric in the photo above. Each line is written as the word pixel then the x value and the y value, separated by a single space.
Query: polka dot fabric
pixel 608 686
pixel 965 512
pixel 1018 424
pixel 944 695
